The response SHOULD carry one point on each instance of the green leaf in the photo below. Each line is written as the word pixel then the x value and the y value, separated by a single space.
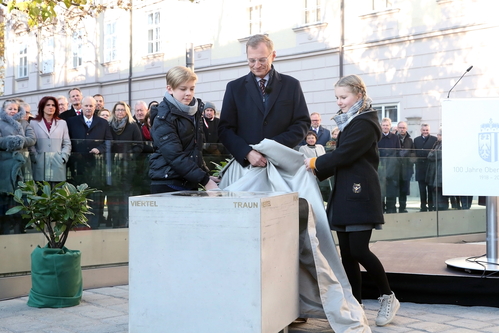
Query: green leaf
pixel 14 210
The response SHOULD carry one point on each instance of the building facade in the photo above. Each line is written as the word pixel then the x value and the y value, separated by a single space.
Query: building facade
pixel 410 53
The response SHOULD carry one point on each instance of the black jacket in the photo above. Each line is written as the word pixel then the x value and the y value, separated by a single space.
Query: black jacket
pixel 129 141
pixel 68 113
pixel 422 148
pixel 245 119
pixel 406 157
pixel 84 139
pixel 356 195
pixel 211 132
pixel 178 142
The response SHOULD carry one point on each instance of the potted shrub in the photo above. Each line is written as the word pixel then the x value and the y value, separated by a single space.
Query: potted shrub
pixel 54 210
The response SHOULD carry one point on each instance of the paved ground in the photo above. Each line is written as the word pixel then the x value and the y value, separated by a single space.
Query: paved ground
pixel 105 310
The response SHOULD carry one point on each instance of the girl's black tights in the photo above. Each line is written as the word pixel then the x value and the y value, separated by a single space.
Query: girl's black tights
pixel 354 247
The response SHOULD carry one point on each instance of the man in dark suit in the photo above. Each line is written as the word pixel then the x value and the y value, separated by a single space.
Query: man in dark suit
pixel 422 146
pixel 75 100
pixel 406 164
pixel 323 134
pixel 90 138
pixel 388 169
pixel 262 104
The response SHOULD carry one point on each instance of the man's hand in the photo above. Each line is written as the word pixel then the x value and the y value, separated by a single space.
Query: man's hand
pixel 94 151
pixel 256 159
pixel 215 179
pixel 211 185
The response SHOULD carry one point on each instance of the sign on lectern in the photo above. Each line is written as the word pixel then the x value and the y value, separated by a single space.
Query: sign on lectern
pixel 470 146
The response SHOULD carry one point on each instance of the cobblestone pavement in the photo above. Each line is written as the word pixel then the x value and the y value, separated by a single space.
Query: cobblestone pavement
pixel 105 310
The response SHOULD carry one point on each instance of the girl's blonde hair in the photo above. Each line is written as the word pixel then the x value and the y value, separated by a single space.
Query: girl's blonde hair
pixel 112 116
pixel 178 75
pixel 355 84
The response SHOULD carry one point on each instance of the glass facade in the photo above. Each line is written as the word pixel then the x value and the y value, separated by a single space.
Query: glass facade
pixel 413 207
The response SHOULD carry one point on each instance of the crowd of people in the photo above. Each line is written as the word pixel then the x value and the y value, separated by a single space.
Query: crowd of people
pixel 162 144
pixel 80 141
pixel 401 158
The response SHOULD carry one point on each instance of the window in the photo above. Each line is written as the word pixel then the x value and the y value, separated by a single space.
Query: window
pixel 381 4
pixel 312 12
pixel 153 32
pixel 110 40
pixel 23 61
pixel 387 111
pixel 77 49
pixel 255 18
pixel 48 55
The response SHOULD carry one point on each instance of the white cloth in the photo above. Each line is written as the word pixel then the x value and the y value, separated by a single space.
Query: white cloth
pixel 324 288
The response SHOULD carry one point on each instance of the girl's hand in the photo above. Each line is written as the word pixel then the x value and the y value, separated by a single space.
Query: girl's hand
pixel 307 163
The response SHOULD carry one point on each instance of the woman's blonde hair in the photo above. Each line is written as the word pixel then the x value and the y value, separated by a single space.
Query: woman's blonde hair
pixel 178 75
pixel 112 116
pixel 355 84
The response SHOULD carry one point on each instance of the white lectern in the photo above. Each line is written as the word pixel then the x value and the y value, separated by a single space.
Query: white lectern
pixel 213 262
pixel 470 165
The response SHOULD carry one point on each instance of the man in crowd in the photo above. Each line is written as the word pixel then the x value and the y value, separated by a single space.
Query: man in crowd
pixel 141 182
pixel 90 137
pixel 406 164
pixel 262 104
pixel 422 145
pixel 323 134
pixel 63 103
pixel 210 128
pixel 388 169
pixel 99 100
pixel 75 99
pixel 27 108
pixel 211 123
pixel 140 112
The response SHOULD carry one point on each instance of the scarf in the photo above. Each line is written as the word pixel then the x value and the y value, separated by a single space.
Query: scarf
pixel 118 126
pixel 343 119
pixel 146 133
pixel 190 109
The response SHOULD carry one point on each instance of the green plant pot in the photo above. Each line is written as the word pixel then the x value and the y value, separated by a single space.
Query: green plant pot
pixel 56 280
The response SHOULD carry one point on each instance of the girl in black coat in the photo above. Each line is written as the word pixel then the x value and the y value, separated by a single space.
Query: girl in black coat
pixel 355 207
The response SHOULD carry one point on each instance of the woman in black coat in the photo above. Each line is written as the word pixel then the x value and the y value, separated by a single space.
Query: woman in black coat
pixel 355 207
pixel 126 146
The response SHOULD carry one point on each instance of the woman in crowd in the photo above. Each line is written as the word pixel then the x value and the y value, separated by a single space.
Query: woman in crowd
pixel 16 136
pixel 311 149
pixel 177 131
pixel 53 146
pixel 127 144
pixel 354 208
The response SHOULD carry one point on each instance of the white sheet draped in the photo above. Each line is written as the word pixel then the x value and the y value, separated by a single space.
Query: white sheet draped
pixel 324 288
